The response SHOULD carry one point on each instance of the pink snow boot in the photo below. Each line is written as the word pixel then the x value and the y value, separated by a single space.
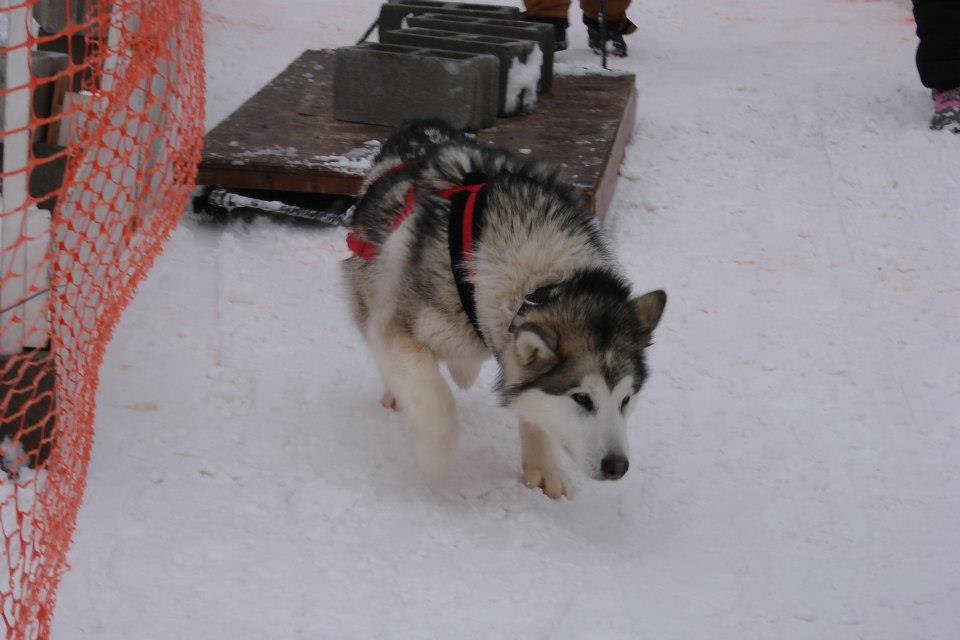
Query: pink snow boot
pixel 946 110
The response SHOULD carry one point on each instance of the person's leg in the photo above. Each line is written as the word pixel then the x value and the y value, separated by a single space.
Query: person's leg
pixel 617 24
pixel 616 11
pixel 938 58
pixel 546 8
pixel 553 12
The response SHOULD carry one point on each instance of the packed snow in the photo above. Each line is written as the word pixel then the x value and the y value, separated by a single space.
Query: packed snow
pixel 586 68
pixel 794 458
pixel 231 201
pixel 18 497
pixel 522 80
pixel 357 160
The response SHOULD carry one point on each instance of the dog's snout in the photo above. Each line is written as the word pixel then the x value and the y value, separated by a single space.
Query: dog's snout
pixel 614 467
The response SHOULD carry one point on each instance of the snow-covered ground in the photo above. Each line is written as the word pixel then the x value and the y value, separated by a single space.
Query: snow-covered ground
pixel 795 458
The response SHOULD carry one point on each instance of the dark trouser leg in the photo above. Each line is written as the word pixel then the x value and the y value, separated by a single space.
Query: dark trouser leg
pixel 552 12
pixel 546 8
pixel 938 56
pixel 616 12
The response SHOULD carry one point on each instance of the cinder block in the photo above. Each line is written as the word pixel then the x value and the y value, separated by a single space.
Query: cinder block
pixel 387 84
pixel 518 83
pixel 43 64
pixel 538 32
pixel 393 13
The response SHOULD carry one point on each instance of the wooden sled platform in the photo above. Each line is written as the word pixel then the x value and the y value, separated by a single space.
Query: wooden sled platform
pixel 285 138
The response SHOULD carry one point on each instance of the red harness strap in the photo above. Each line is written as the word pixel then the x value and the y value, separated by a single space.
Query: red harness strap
pixel 468 210
pixel 368 251
pixel 361 247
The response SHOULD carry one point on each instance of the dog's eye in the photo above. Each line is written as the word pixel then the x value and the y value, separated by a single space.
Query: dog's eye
pixel 583 400
pixel 623 405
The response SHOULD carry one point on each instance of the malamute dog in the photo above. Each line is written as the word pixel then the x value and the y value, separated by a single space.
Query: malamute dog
pixel 463 252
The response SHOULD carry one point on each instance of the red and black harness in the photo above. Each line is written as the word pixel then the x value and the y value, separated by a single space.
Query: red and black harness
pixel 467 203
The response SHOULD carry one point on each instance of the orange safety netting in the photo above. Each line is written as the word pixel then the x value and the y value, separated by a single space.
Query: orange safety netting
pixel 102 124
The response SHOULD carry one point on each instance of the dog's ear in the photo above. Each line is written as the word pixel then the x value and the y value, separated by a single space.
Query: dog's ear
pixel 535 345
pixel 649 308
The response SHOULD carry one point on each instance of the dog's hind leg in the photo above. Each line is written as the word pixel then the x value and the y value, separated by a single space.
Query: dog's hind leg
pixel 412 373
pixel 464 371
pixel 540 466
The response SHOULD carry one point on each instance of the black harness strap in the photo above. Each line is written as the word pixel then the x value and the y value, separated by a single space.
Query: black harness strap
pixel 467 204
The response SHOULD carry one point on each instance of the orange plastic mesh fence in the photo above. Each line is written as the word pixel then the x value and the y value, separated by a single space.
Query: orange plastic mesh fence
pixel 102 124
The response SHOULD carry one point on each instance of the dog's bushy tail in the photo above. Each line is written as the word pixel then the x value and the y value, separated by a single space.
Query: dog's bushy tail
pixel 416 139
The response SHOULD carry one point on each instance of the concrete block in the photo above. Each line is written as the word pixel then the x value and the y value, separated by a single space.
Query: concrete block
pixel 55 15
pixel 387 84
pixel 394 12
pixel 540 33
pixel 519 61
pixel 43 64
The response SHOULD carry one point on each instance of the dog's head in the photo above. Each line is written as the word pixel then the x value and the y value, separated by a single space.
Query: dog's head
pixel 575 361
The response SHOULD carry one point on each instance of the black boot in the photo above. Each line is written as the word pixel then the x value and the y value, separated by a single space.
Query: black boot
pixel 616 46
pixel 559 29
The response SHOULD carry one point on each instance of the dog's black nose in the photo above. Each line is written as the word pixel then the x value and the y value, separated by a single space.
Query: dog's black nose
pixel 614 467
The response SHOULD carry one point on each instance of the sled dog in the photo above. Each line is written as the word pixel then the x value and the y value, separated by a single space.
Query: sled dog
pixel 462 252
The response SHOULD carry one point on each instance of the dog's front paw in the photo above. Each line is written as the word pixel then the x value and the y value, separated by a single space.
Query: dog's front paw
pixel 554 482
